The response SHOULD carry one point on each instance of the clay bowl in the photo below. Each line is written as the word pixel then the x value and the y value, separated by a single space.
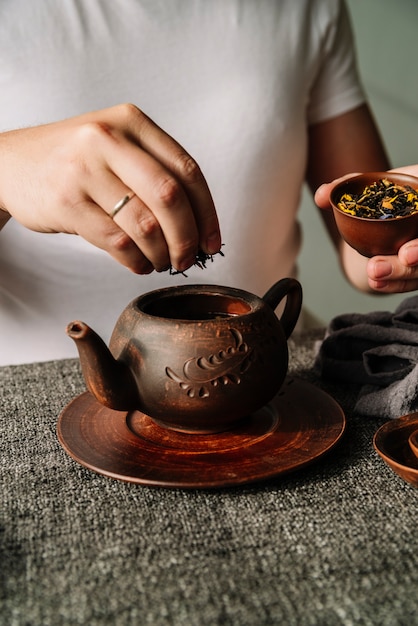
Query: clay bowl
pixel 370 236
pixel 413 442
pixel 391 442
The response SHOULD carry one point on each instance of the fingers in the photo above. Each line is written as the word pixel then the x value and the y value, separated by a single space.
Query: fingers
pixel 323 192
pixel 412 170
pixel 100 230
pixel 134 219
pixel 397 273
pixel 175 159
pixel 174 213
pixel 169 209
pixel 146 232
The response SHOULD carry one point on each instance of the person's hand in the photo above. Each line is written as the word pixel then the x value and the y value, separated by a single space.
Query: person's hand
pixel 385 274
pixel 397 273
pixel 69 176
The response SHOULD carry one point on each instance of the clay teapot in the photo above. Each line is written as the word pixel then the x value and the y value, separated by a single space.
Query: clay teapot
pixel 195 358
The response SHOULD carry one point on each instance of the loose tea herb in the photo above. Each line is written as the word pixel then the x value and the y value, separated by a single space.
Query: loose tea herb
pixel 381 200
pixel 200 261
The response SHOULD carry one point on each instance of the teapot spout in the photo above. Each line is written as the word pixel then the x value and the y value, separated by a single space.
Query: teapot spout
pixel 108 379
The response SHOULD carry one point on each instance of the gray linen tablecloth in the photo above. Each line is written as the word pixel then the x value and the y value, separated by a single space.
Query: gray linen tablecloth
pixel 334 543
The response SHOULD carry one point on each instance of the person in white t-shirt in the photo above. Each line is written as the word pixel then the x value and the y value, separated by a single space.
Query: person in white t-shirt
pixel 235 105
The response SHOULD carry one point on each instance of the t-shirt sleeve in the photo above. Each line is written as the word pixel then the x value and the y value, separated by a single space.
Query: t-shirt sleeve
pixel 337 87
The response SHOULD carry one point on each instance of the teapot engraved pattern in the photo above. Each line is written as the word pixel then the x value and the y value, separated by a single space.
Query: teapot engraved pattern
pixel 226 367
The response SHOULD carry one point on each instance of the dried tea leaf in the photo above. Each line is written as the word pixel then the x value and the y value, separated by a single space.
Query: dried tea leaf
pixel 200 261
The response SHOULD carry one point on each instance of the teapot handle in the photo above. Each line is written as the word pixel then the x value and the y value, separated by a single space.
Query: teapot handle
pixel 291 288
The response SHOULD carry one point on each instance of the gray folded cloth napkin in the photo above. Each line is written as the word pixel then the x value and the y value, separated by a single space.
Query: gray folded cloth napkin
pixel 379 351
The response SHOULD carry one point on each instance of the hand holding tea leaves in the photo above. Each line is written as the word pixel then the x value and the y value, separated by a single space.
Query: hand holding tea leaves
pixel 71 176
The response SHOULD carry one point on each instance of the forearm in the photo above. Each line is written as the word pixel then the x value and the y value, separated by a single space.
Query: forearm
pixel 346 144
pixel 354 267
pixel 343 145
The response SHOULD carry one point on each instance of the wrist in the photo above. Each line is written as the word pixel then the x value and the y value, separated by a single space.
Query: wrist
pixel 355 268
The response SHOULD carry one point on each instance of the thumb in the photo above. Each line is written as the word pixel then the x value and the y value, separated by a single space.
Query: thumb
pixel 323 192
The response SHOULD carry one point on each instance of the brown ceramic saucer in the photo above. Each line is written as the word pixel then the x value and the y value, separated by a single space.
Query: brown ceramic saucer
pixel 391 443
pixel 300 425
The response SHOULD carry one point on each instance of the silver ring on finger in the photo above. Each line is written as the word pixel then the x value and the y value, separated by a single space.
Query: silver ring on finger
pixel 122 202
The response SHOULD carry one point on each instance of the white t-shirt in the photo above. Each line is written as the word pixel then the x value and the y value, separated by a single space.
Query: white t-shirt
pixel 236 82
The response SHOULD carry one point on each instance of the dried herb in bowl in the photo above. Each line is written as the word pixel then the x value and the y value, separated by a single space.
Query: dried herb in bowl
pixel 381 200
